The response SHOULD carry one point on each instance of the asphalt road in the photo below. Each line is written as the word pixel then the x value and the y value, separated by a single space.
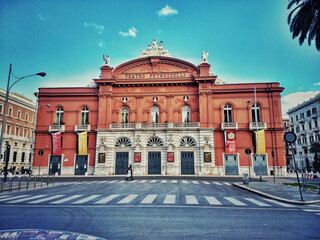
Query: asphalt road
pixel 154 208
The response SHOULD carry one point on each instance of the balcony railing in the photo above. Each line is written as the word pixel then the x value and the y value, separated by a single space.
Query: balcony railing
pixel 154 125
pixel 261 125
pixel 82 127
pixel 229 125
pixel 56 128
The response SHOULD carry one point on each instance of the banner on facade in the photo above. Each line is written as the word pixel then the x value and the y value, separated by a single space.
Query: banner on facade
pixel 137 157
pixel 56 144
pixel 82 143
pixel 262 142
pixel 230 141
pixel 170 157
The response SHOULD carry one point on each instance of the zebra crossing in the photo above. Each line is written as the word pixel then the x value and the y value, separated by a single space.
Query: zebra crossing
pixel 194 182
pixel 143 199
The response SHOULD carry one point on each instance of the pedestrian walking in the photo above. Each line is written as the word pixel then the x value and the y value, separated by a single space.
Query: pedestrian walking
pixel 131 171
pixel 128 174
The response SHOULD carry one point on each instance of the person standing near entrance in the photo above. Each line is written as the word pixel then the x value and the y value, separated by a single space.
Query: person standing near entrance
pixel 131 172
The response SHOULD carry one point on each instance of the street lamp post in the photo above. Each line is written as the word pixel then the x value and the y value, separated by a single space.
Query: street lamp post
pixel 41 74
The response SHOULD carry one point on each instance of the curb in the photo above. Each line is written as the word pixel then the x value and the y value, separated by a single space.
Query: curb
pixel 239 185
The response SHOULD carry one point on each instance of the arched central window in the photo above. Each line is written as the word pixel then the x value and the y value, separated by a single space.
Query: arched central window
pixel 59 115
pixel 123 142
pixel 185 114
pixel 255 110
pixel 187 142
pixel 124 115
pixel 85 115
pixel 227 110
pixel 155 115
pixel 154 141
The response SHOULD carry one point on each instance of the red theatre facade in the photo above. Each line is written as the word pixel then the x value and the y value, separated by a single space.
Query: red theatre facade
pixel 164 116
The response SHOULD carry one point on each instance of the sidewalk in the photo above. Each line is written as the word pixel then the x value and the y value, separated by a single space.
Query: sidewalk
pixel 283 193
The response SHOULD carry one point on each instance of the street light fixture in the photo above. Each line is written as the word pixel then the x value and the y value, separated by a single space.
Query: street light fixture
pixel 41 74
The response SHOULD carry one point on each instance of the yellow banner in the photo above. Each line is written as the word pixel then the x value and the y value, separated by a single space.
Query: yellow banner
pixel 82 143
pixel 262 143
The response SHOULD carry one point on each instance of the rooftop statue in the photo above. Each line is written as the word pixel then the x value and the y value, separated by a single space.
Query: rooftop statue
pixel 154 49
pixel 205 57
pixel 106 59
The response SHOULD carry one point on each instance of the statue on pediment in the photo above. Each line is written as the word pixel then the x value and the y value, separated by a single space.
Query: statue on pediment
pixel 154 49
pixel 205 57
pixel 106 59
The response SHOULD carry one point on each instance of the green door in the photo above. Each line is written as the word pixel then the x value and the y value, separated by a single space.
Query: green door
pixel 154 162
pixel 55 165
pixel 231 165
pixel 187 163
pixel 260 165
pixel 81 165
pixel 122 160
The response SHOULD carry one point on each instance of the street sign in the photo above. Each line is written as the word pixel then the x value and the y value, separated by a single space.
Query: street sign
pixel 247 151
pixel 290 137
pixel 40 152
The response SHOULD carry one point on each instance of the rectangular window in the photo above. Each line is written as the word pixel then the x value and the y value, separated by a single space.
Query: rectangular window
pixel 292 119
pixel 25 132
pixel 297 118
pixel 302 127
pixel 310 125
pixel 18 131
pixel 23 156
pixel 8 129
pixel 29 157
pixel 14 156
pixel 1 108
pixel 314 110
pixel 308 113
pixel 311 139
pixel 315 123
pixel 19 114
pixel 301 115
pixel 27 116
pixel 10 111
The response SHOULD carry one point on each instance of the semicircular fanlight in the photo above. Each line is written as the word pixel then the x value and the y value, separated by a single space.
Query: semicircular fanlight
pixel 187 142
pixel 123 142
pixel 155 141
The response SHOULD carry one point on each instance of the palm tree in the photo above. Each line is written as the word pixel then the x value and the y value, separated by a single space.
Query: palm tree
pixel 315 148
pixel 304 20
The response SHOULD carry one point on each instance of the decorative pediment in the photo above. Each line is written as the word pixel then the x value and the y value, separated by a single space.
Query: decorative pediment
pixel 155 68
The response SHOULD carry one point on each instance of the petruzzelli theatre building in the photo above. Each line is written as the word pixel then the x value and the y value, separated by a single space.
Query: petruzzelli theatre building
pixel 163 115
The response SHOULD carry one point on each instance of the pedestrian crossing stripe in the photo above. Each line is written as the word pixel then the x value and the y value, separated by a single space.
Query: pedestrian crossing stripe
pixel 149 199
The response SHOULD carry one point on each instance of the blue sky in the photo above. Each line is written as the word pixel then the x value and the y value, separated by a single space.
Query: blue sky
pixel 247 40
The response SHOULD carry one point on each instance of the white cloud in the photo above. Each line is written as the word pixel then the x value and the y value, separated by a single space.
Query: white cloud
pixel 101 43
pixel 95 27
pixel 42 17
pixel 131 32
pixel 317 84
pixel 294 99
pixel 167 11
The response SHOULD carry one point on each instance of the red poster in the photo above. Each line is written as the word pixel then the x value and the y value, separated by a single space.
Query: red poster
pixel 56 143
pixel 137 157
pixel 230 141
pixel 170 157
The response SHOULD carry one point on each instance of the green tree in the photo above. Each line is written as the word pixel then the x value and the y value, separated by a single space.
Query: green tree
pixel 315 148
pixel 304 20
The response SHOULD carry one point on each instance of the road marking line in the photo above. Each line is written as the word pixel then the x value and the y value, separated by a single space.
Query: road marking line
pixel 226 183
pixel 153 181
pixel 170 199
pixel 195 182
pixel 5 196
pixel 107 199
pixel 217 183
pixel 318 214
pixel 26 199
pixel 212 200
pixel 205 182
pixel 11 198
pixel 190 199
pixel 128 198
pixel 143 181
pixel 279 203
pixel 149 198
pixel 163 181
pixel 174 181
pixel 184 181
pixel 65 199
pixel 87 199
pixel 235 201
pixel 261 204
pixel 46 199
pixel 311 210
pixel 112 181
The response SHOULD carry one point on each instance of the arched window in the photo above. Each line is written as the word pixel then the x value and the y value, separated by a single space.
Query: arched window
pixel 124 115
pixel 227 111
pixel 255 111
pixel 85 115
pixel 185 114
pixel 123 142
pixel 59 115
pixel 155 115
pixel 154 141
pixel 187 142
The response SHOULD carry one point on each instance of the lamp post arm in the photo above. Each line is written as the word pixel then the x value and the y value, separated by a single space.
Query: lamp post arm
pixel 20 80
